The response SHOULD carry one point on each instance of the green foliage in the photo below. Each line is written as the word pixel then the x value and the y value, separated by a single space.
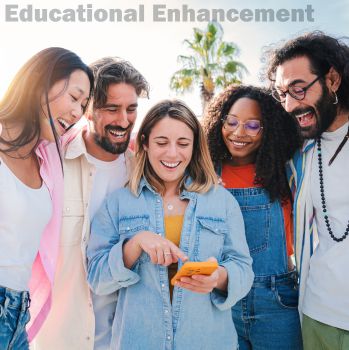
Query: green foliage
pixel 211 63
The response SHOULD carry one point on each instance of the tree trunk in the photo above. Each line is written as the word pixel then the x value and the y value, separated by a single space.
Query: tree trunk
pixel 206 97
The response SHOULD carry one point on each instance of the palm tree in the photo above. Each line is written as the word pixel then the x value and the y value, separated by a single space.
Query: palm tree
pixel 211 63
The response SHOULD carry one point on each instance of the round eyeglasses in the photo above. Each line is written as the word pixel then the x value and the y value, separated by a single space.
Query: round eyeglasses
pixel 297 92
pixel 252 127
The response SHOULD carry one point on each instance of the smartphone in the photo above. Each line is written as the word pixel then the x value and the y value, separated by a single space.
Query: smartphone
pixel 195 268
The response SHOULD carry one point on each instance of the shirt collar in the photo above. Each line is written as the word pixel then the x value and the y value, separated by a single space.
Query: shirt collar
pixel 77 146
pixel 184 195
pixel 307 145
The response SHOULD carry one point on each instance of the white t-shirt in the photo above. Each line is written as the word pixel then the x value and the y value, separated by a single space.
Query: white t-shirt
pixel 327 290
pixel 24 213
pixel 109 176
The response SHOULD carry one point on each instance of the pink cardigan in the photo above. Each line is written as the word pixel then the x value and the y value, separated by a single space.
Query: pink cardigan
pixel 40 285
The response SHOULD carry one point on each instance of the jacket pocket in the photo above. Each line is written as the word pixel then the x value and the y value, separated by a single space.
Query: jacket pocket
pixel 129 226
pixel 73 222
pixel 209 238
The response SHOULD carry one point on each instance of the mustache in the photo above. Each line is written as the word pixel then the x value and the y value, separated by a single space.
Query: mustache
pixel 117 128
pixel 299 111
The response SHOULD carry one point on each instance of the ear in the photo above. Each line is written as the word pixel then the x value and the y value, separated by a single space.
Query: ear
pixel 145 147
pixel 333 80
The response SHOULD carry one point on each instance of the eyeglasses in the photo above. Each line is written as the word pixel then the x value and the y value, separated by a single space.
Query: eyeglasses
pixel 294 91
pixel 252 127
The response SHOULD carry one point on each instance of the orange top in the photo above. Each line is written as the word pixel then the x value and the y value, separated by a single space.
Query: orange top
pixel 173 230
pixel 243 177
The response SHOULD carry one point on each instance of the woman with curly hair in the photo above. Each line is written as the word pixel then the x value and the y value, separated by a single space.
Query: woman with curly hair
pixel 250 140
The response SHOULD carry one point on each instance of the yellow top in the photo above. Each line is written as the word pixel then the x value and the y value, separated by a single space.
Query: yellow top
pixel 173 229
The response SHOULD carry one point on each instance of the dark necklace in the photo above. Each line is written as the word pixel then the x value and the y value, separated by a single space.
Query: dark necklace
pixel 323 200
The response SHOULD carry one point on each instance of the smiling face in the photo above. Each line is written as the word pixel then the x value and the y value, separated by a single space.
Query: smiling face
pixel 243 147
pixel 67 101
pixel 316 112
pixel 113 123
pixel 169 150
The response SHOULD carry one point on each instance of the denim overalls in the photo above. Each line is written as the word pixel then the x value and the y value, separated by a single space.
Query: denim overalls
pixel 14 315
pixel 267 318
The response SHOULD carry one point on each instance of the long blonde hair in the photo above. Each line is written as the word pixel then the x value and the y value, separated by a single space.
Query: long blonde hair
pixel 200 169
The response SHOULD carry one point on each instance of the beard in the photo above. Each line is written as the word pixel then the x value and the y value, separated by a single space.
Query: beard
pixel 113 147
pixel 325 113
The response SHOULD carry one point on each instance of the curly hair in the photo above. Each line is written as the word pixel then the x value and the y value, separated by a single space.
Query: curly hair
pixel 280 138
pixel 322 50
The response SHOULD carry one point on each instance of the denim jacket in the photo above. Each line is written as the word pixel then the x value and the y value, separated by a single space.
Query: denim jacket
pixel 144 315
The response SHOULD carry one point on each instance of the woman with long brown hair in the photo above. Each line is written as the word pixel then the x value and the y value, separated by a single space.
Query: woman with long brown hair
pixel 46 97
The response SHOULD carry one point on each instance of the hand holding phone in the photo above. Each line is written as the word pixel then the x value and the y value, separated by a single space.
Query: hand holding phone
pixel 191 268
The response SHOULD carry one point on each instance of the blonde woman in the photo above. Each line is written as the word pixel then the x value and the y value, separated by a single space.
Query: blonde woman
pixel 172 211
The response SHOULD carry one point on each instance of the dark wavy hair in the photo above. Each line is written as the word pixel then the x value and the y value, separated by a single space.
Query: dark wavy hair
pixel 114 70
pixel 280 137
pixel 322 50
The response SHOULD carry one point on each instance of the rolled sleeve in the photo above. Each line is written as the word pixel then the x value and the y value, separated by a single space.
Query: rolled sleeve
pixel 236 259
pixel 106 270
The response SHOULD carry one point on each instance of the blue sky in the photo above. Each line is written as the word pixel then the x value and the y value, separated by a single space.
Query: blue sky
pixel 153 47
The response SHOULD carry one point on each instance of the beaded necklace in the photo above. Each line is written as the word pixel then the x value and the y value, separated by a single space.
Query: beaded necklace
pixel 322 189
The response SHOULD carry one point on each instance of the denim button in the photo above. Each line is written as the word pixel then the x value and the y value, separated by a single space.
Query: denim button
pixel 168 337
pixel 166 311
pixel 163 285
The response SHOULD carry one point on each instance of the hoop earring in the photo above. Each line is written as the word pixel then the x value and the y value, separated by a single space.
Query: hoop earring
pixel 335 98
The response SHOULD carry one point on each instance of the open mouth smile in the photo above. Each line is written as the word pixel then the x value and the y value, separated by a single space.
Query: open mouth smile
pixel 117 133
pixel 305 119
pixel 239 144
pixel 64 124
pixel 169 165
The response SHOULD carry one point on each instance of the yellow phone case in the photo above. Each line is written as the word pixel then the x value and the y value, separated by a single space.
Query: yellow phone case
pixel 195 268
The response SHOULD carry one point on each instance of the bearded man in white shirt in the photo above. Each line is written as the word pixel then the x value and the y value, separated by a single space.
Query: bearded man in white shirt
pixel 310 78
pixel 97 162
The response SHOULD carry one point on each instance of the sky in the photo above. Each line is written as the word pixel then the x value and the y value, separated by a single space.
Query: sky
pixel 152 46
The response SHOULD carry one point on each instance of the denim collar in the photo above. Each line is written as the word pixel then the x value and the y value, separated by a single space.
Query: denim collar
pixel 184 195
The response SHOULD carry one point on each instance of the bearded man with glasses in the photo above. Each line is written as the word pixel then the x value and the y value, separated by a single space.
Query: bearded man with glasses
pixel 310 78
